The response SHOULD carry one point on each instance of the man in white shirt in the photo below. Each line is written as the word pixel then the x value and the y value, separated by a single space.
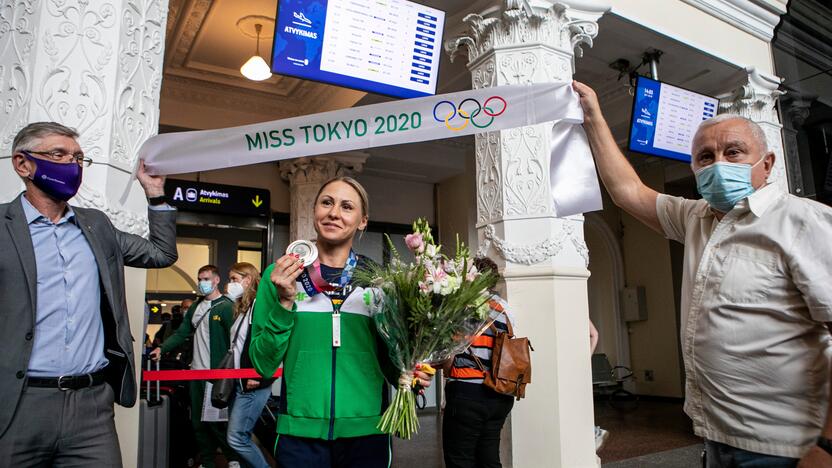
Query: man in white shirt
pixel 756 296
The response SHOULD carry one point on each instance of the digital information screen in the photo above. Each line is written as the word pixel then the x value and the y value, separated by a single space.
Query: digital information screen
pixel 387 47
pixel 666 117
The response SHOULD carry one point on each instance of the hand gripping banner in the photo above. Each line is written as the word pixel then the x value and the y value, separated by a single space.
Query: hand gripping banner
pixel 572 172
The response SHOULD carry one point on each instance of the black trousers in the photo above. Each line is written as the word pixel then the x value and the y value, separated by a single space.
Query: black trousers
pixel 471 424
pixel 372 451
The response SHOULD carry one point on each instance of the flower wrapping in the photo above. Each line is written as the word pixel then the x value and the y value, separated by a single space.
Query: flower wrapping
pixel 426 311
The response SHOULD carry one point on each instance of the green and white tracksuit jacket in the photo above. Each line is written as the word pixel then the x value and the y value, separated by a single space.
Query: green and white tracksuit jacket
pixel 328 392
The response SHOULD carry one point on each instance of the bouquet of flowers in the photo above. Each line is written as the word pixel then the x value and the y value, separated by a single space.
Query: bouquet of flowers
pixel 426 311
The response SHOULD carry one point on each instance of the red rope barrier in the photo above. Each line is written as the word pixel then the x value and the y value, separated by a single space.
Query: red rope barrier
pixel 207 374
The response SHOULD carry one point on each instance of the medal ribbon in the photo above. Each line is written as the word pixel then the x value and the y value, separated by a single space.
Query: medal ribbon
pixel 314 283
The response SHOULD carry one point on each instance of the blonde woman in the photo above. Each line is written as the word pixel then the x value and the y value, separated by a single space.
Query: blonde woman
pixel 316 322
pixel 252 394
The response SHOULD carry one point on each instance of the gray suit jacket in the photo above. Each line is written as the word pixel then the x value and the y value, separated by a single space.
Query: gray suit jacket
pixel 113 250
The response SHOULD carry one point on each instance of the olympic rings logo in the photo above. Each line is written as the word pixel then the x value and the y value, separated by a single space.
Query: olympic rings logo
pixel 470 111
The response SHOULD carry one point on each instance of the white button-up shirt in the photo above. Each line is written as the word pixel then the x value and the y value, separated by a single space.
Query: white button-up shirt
pixel 756 291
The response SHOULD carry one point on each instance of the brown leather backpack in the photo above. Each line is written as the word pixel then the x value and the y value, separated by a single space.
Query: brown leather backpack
pixel 511 363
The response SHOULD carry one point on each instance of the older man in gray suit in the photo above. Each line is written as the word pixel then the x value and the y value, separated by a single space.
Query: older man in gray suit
pixel 68 352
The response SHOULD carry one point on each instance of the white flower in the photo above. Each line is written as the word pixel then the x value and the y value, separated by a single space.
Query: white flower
pixel 472 272
pixel 449 285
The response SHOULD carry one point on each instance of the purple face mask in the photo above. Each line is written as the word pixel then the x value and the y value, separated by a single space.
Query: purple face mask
pixel 59 181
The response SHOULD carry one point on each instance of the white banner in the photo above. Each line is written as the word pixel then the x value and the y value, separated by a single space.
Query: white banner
pixel 572 174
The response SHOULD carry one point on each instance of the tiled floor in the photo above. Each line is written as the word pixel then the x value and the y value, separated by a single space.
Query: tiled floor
pixel 653 434
pixel 425 448
pixel 648 427
pixel 685 457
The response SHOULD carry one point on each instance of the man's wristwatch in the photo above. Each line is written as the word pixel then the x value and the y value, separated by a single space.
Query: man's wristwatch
pixel 825 444
pixel 155 201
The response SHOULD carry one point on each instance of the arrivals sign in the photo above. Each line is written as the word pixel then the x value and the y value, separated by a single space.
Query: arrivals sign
pixel 572 172
pixel 217 198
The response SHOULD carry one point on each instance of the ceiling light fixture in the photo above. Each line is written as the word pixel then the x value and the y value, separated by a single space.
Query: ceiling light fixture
pixel 256 69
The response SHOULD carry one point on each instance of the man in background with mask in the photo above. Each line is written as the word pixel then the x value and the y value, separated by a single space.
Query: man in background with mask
pixel 68 351
pixel 756 295
pixel 209 321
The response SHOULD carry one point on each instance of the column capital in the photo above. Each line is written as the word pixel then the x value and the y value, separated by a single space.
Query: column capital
pixel 754 96
pixel 562 25
pixel 319 169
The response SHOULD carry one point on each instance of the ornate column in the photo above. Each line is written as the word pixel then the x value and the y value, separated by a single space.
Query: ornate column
pixel 754 98
pixel 795 109
pixel 305 176
pixel 95 66
pixel 543 259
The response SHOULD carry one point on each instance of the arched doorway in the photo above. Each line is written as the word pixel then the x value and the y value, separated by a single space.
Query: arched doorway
pixel 606 266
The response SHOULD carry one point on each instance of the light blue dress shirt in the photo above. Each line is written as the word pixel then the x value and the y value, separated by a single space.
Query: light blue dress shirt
pixel 69 333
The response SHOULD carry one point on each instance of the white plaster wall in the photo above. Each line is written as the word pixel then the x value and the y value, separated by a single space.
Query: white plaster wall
pixel 698 29
pixel 456 207
pixel 654 343
pixel 398 201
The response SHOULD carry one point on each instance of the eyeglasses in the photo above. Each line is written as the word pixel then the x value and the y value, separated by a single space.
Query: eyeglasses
pixel 61 155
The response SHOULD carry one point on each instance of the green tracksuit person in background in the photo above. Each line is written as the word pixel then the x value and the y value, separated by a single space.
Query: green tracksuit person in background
pixel 209 321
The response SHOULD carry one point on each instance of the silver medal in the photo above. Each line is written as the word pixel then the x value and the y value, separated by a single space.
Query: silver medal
pixel 304 249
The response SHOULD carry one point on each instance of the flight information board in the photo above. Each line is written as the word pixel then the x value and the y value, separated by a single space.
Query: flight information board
pixel 387 47
pixel 666 117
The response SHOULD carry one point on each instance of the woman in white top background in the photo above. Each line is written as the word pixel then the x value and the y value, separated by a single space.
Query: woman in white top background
pixel 251 394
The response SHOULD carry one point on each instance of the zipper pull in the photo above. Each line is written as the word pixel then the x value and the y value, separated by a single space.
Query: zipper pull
pixel 336 329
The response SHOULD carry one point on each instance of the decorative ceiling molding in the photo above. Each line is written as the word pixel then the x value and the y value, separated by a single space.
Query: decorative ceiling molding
pixel 276 86
pixel 174 18
pixel 226 97
pixel 756 17
pixel 189 21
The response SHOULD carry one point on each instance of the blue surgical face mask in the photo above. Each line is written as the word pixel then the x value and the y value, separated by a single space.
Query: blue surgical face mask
pixel 206 287
pixel 724 184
